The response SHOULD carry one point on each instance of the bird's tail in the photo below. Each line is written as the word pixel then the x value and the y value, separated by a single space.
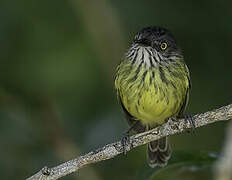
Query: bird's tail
pixel 159 152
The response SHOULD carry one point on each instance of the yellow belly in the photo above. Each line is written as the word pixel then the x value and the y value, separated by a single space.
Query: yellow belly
pixel 149 98
pixel 153 107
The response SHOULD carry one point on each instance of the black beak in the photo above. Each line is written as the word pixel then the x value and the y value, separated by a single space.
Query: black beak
pixel 144 42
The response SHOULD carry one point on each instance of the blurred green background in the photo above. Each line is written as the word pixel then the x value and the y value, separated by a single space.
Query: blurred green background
pixel 57 97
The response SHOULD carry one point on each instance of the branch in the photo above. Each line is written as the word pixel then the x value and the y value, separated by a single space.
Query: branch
pixel 223 166
pixel 111 150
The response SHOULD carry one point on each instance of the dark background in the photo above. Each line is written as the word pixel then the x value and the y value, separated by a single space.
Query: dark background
pixel 58 60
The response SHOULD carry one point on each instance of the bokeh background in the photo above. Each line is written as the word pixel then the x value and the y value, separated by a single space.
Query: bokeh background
pixel 57 97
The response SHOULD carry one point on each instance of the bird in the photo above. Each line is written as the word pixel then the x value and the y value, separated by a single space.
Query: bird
pixel 152 82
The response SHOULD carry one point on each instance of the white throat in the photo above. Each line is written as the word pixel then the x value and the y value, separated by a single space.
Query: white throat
pixel 145 55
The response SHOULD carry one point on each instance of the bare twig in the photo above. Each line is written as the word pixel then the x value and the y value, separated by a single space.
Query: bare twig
pixel 223 166
pixel 111 150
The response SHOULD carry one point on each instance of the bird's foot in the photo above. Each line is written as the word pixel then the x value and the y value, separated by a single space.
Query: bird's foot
pixel 125 142
pixel 189 119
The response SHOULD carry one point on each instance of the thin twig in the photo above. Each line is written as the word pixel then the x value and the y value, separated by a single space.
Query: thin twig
pixel 223 166
pixel 111 150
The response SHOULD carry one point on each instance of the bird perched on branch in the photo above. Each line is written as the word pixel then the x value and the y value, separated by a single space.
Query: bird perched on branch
pixel 152 83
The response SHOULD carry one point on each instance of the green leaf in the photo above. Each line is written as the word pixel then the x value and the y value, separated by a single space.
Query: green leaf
pixel 183 165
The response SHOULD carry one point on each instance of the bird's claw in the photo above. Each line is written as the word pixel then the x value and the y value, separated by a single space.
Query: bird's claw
pixel 125 142
pixel 189 119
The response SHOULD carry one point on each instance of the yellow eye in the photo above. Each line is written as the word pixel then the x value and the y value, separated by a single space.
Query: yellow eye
pixel 163 45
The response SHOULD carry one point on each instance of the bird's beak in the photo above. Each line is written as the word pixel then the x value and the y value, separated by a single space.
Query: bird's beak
pixel 143 42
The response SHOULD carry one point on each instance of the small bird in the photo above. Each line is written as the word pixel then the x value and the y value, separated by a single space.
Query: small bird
pixel 152 83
